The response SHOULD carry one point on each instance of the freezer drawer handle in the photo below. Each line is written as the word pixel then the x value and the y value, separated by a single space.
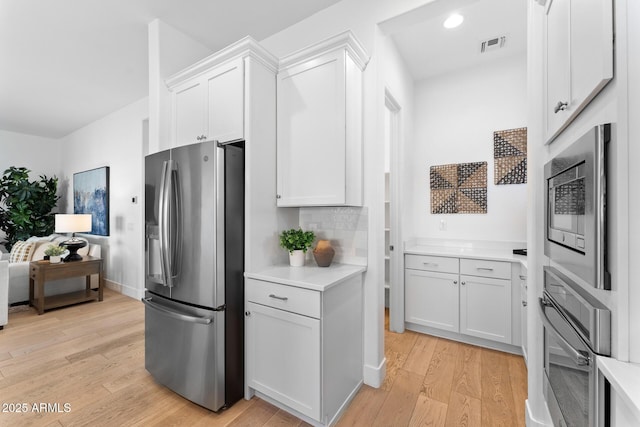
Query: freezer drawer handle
pixel 277 297
pixel 179 316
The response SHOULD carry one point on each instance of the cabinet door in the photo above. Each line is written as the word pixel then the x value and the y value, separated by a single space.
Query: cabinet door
pixel 225 101
pixel 431 299
pixel 485 308
pixel 311 133
pixel 557 77
pixel 283 357
pixel 189 122
pixel 591 48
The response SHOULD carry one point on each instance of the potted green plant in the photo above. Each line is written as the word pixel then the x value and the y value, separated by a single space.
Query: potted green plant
pixel 25 205
pixel 296 241
pixel 54 252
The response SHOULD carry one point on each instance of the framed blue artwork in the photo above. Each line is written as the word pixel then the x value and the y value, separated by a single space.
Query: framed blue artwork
pixel 91 196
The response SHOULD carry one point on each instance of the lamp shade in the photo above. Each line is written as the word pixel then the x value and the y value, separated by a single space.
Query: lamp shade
pixel 70 223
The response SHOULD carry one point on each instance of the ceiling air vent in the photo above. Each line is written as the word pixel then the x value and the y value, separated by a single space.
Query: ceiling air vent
pixel 492 44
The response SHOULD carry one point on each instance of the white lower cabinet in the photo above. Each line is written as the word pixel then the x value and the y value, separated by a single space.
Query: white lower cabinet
pixel 461 296
pixel 485 308
pixel 304 346
pixel 283 355
pixel 432 299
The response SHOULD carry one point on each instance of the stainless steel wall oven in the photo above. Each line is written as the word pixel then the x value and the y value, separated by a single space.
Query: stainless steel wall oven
pixel 577 327
pixel 576 207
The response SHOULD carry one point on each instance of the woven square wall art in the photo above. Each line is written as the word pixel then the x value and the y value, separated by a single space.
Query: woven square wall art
pixel 510 156
pixel 459 188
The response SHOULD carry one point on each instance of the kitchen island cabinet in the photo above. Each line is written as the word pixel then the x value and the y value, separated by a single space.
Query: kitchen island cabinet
pixel 304 339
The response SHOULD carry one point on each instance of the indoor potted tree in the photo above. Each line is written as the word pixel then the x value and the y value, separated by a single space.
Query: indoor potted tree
pixel 296 241
pixel 26 206
pixel 54 252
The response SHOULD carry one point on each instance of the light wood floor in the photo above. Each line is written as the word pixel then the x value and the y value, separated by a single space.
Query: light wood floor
pixel 91 357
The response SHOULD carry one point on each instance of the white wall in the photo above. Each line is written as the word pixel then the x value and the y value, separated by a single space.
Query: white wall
pixel 41 155
pixel 632 12
pixel 169 52
pixel 362 17
pixel 115 141
pixel 455 117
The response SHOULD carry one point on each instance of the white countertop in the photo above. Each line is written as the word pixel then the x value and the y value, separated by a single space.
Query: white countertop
pixel 494 254
pixel 308 277
pixel 624 377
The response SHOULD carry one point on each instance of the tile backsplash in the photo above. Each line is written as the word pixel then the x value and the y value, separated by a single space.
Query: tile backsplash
pixel 345 227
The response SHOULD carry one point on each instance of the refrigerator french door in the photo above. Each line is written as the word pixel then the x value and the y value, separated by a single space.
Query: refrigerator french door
pixel 194 222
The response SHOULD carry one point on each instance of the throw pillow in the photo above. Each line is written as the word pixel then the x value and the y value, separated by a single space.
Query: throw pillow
pixel 21 251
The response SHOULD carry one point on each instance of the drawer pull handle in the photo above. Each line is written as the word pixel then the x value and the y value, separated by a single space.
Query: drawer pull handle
pixel 277 297
pixel 484 268
pixel 435 264
pixel 523 277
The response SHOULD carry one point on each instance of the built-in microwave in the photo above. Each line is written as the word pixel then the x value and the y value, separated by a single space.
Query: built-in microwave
pixel 576 207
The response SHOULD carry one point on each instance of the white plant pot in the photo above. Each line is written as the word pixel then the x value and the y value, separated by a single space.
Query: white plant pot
pixel 55 259
pixel 296 258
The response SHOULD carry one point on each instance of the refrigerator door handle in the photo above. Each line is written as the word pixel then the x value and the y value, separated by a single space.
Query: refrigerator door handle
pixel 176 226
pixel 220 225
pixel 170 219
pixel 163 220
pixel 175 314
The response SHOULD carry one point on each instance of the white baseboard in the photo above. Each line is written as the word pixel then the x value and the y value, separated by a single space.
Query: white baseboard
pixel 374 375
pixel 134 293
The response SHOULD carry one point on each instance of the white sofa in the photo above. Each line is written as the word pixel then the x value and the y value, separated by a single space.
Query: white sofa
pixel 18 272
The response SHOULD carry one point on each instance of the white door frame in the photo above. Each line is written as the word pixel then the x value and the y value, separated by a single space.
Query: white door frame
pixel 396 264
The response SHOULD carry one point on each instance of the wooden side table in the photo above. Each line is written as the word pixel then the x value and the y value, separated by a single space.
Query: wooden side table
pixel 41 272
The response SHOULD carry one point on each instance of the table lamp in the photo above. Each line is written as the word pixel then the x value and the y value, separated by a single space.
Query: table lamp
pixel 73 223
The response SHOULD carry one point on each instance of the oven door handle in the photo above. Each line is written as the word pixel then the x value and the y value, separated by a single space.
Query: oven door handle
pixel 581 357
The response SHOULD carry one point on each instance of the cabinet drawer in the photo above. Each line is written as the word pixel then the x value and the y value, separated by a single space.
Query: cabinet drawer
pixel 289 298
pixel 431 263
pixel 483 268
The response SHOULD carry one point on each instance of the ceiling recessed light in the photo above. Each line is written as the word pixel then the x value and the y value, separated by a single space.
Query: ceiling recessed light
pixel 453 21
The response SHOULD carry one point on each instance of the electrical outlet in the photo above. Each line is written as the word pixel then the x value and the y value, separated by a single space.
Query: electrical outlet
pixel 443 224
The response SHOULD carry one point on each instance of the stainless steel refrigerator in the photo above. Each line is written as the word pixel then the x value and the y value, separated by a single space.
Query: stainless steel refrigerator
pixel 194 222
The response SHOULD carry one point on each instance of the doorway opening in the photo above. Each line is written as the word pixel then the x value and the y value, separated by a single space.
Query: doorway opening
pixel 393 286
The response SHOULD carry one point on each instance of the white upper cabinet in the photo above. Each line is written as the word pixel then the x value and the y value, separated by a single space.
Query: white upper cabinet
pixel 225 101
pixel 189 118
pixel 319 114
pixel 210 106
pixel 558 64
pixel 579 58
pixel 208 98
